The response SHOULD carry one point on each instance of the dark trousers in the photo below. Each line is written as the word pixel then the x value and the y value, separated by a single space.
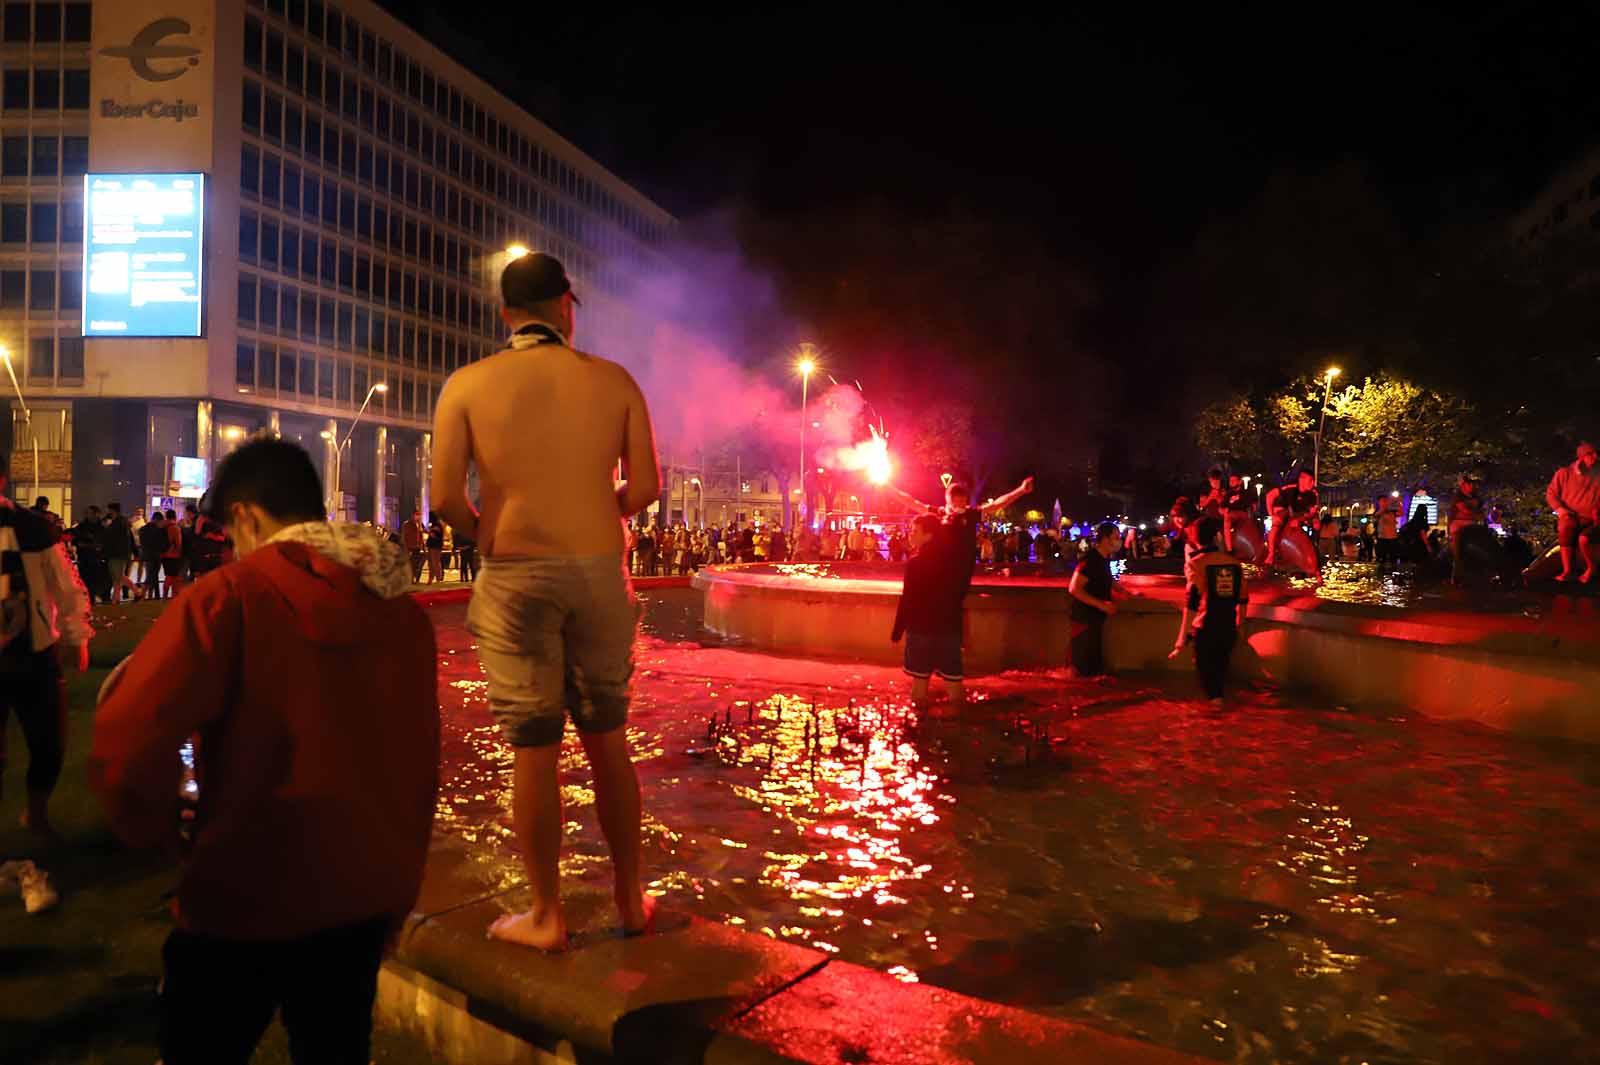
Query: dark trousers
pixel 1088 647
pixel 1213 646
pixel 469 564
pixel 152 575
pixel 418 560
pixel 219 995
pixel 33 688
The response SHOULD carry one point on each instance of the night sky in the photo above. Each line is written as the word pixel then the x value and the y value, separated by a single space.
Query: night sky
pixel 1016 197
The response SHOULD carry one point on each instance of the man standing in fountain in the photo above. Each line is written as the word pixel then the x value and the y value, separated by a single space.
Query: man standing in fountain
pixel 552 611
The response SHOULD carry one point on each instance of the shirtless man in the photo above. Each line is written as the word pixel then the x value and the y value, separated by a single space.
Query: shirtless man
pixel 545 425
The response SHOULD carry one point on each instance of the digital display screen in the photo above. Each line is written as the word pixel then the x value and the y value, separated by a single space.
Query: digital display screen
pixel 189 474
pixel 142 265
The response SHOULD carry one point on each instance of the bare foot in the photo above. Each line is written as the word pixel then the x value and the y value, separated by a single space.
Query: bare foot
pixel 1563 578
pixel 548 933
pixel 638 914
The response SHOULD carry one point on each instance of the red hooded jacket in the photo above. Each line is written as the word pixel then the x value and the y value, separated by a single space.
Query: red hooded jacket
pixel 315 702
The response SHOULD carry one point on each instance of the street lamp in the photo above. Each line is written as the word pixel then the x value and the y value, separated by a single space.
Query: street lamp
pixel 1327 392
pixel 27 415
pixel 515 252
pixel 338 454
pixel 807 366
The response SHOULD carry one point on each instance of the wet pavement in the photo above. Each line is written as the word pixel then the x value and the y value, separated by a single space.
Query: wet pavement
pixel 1268 882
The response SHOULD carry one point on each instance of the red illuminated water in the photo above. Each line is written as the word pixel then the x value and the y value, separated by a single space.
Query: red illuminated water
pixel 1272 882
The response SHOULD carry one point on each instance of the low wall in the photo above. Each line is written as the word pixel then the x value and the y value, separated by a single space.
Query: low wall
pixel 1525 674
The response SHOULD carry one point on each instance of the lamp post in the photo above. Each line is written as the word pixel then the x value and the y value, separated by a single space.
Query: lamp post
pixel 1327 392
pixel 27 415
pixel 807 366
pixel 338 454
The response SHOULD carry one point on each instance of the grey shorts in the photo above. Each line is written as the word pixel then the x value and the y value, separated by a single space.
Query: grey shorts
pixel 555 636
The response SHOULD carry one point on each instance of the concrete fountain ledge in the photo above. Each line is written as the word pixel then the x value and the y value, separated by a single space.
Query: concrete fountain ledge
pixel 696 992
pixel 1533 674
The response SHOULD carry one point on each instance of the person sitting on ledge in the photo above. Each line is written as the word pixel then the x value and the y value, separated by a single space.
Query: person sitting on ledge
pixel 310 676
pixel 1291 505
pixel 1574 495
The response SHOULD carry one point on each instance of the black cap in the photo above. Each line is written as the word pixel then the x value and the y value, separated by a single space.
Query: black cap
pixel 534 278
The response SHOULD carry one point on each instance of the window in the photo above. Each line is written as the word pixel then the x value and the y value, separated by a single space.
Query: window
pixel 74 156
pixel 294 70
pixel 47 23
pixel 313 147
pixel 252 107
pixel 272 117
pixel 330 253
pixel 42 358
pixel 291 251
pixel 17 90
pixel 346 314
pixel 44 223
pixel 308 256
pixel 247 299
pixel 325 379
pixel 267 369
pixel 313 196
pixel 269 244
pixel 46 89
pixel 13 288
pixel 274 63
pixel 291 126
pixel 14 223
pixel 46 152
pixel 271 180
pixel 42 290
pixel 291 187
pixel 75 90
pixel 244 366
pixel 71 290
pixel 71 359
pixel 252 43
pixel 289 311
pixel 346 269
pixel 16 24
pixel 247 236
pixel 308 375
pixel 325 321
pixel 269 305
pixel 344 381
pixel 72 222
pixel 286 373
pixel 77 24
pixel 250 170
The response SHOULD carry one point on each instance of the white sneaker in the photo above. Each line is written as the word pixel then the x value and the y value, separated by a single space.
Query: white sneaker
pixel 37 894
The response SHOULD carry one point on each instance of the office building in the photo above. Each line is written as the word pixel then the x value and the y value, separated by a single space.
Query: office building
pixel 360 190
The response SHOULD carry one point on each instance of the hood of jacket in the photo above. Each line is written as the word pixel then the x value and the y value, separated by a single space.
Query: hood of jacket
pixel 325 569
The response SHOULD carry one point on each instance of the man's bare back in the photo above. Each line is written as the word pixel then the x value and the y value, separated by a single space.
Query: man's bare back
pixel 545 426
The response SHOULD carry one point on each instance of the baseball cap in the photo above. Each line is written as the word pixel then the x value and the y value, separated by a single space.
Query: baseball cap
pixel 534 278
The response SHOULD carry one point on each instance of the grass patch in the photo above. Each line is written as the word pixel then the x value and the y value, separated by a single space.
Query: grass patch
pixel 77 984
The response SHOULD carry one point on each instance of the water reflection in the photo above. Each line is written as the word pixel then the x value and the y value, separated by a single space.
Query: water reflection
pixel 1269 883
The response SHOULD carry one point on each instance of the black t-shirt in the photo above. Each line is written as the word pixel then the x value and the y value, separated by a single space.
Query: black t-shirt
pixel 1235 500
pixel 33 533
pixel 435 536
pixel 1296 501
pixel 958 535
pixel 1096 570
pixel 153 540
pixel 116 541
pixel 1216 588
pixel 935 584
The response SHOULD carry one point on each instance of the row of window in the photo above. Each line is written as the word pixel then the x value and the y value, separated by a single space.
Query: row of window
pixel 45 156
pixel 372 165
pixel 271 306
pixel 44 89
pixel 37 290
pixel 47 22
pixel 55 360
pixel 284 58
pixel 266 369
pixel 314 257
pixel 40 224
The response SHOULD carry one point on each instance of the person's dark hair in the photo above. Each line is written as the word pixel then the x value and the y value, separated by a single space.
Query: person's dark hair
pixel 1207 530
pixel 1105 529
pixel 172 515
pixel 1184 506
pixel 957 490
pixel 1303 472
pixel 115 508
pixel 43 502
pixel 927 523
pixel 1215 471
pixel 275 475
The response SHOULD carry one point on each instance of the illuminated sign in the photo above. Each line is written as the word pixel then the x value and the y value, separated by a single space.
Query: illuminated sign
pixel 142 264
pixel 188 477
pixel 151 43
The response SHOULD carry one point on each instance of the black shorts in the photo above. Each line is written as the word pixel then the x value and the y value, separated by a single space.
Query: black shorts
pixel 929 653
pixel 172 567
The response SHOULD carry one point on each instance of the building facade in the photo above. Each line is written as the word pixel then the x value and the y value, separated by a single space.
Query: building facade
pixel 362 192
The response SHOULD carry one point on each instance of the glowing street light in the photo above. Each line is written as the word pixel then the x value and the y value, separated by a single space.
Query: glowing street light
pixel 338 454
pixel 806 365
pixel 27 415
pixel 1327 391
pixel 515 252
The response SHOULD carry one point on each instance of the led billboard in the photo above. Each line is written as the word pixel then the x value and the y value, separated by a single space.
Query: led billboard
pixel 143 270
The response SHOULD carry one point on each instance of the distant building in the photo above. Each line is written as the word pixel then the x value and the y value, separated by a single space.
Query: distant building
pixel 1568 204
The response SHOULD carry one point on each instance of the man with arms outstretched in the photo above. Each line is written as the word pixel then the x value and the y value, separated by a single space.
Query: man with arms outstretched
pixel 960 518
pixel 545 425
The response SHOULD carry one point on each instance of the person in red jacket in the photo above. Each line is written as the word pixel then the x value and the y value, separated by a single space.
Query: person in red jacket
pixel 308 676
